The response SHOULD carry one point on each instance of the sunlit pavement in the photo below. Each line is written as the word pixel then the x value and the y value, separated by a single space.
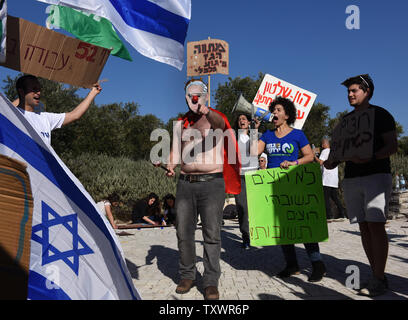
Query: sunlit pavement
pixel 152 259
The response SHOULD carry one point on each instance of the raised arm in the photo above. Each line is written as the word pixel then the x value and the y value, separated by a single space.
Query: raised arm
pixel 83 106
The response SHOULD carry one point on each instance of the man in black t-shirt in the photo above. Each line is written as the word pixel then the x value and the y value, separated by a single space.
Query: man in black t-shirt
pixel 368 183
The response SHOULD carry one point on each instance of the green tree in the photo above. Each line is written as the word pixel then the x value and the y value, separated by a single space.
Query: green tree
pixel 316 124
pixel 228 93
pixel 116 129
pixel 403 146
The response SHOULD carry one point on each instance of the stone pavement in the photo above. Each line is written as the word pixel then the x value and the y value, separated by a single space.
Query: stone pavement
pixel 152 259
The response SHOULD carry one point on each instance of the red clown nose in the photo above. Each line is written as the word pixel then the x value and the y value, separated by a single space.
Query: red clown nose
pixel 194 99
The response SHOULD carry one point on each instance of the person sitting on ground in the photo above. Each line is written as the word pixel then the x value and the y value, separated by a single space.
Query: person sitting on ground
pixel 146 210
pixel 169 202
pixel 104 207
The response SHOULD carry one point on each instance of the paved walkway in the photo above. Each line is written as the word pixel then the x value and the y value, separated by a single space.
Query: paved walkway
pixel 152 259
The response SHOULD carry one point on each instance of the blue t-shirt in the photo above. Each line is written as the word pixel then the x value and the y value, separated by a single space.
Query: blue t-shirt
pixel 281 149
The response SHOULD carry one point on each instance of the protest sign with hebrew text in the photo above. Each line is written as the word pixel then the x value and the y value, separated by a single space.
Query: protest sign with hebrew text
pixel 51 55
pixel 207 57
pixel 286 206
pixel 272 87
pixel 353 137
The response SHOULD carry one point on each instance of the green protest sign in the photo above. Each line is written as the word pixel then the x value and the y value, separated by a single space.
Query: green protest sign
pixel 286 206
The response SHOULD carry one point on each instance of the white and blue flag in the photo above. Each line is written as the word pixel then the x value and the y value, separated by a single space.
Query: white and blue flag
pixel 155 28
pixel 75 253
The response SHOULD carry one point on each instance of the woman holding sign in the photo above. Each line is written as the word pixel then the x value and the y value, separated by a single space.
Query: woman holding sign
pixel 282 147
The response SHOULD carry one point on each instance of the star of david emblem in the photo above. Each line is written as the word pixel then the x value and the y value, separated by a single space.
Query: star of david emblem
pixel 50 253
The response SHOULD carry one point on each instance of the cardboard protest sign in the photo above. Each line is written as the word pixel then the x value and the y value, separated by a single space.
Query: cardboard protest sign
pixel 353 137
pixel 207 57
pixel 286 206
pixel 51 55
pixel 272 87
pixel 16 211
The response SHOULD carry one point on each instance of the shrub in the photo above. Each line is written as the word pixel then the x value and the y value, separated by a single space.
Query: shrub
pixel 101 175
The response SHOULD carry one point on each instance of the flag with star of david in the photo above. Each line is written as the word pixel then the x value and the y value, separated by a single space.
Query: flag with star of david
pixel 75 253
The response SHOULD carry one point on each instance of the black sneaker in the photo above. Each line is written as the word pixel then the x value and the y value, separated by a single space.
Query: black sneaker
pixel 288 271
pixel 375 287
pixel 245 246
pixel 319 270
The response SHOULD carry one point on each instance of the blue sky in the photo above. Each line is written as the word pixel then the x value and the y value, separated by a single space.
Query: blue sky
pixel 303 42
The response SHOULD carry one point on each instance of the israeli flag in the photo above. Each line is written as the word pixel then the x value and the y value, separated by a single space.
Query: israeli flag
pixel 75 253
pixel 155 28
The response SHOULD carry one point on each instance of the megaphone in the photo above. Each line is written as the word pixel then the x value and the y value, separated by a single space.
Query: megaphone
pixel 243 106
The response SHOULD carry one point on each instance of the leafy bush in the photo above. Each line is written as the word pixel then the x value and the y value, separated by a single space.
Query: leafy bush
pixel 103 175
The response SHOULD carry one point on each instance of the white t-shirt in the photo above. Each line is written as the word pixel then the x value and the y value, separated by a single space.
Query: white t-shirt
pixel 330 176
pixel 101 206
pixel 44 122
pixel 248 162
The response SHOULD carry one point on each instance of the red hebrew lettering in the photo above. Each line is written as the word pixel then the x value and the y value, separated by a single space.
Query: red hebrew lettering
pixel 64 63
pixel 286 93
pixel 300 116
pixel 93 53
pixel 267 87
pixel 41 55
pixel 55 60
pixel 308 99
pixel 275 85
pixel 28 50
pixel 86 51
pixel 296 96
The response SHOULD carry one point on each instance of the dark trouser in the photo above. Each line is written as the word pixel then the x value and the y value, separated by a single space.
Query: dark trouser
pixel 331 193
pixel 242 209
pixel 289 252
pixel 206 198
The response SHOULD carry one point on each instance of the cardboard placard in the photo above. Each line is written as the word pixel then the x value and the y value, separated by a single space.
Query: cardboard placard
pixel 353 137
pixel 272 87
pixel 286 206
pixel 51 55
pixel 207 57
pixel 16 210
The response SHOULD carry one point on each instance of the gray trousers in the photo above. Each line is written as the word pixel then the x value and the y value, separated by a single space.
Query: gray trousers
pixel 207 199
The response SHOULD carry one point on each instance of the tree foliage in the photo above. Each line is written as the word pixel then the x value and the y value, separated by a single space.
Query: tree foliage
pixel 116 129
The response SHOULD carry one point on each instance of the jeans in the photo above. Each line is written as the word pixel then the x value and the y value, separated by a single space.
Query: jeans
pixel 289 252
pixel 207 199
pixel 331 193
pixel 242 209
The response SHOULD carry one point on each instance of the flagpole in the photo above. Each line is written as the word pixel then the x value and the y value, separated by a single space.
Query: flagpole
pixel 209 87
